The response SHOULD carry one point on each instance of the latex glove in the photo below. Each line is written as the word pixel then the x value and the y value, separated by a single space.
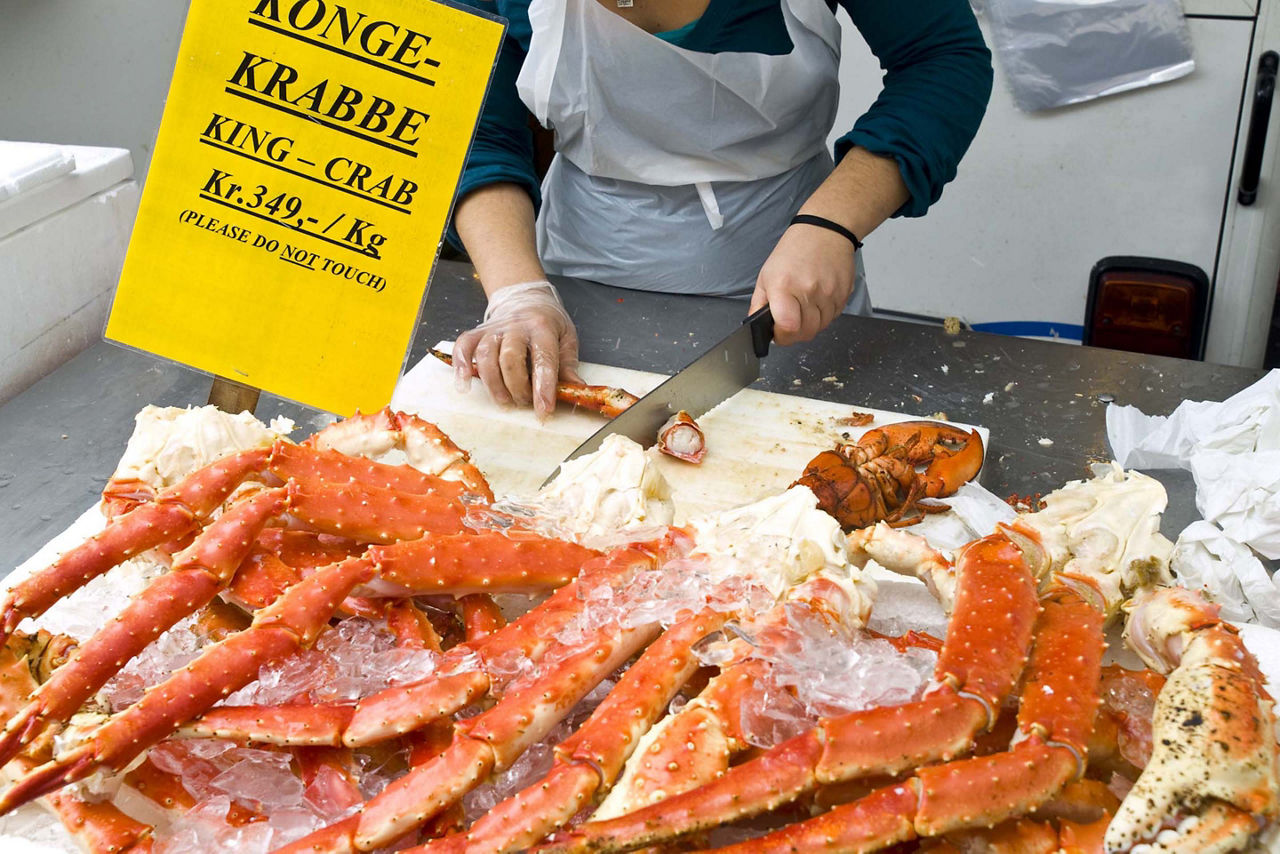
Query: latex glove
pixel 805 281
pixel 525 345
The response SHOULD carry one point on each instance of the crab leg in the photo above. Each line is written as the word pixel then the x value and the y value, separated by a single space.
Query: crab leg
pixel 491 741
pixel 1055 719
pixel 591 758
pixel 174 512
pixel 290 461
pixel 198 573
pixel 97 827
pixel 373 514
pixel 481 616
pixel 291 623
pixel 985 650
pixel 463 675
pixel 399 710
pixel 423 445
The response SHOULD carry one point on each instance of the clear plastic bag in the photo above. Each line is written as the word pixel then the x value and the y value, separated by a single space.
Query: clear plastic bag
pixel 1059 52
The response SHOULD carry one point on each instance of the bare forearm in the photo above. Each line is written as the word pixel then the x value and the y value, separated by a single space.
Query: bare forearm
pixel 496 226
pixel 863 191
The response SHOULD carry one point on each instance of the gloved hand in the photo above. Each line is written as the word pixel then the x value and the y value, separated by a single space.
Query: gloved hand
pixel 525 326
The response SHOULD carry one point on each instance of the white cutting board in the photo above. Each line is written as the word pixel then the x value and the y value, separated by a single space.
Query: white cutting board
pixel 758 442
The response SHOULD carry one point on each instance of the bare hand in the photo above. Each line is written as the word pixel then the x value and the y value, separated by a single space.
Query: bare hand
pixel 806 282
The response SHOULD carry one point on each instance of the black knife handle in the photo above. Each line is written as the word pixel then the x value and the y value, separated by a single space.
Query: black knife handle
pixel 761 331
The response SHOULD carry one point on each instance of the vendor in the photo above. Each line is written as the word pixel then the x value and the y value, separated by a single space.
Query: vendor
pixel 692 158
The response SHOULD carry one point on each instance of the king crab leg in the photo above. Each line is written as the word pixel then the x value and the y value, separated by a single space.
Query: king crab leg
pixel 986 648
pixel 588 760
pixel 606 400
pixel 197 574
pixel 175 512
pixel 1057 704
pixel 97 827
pixel 290 623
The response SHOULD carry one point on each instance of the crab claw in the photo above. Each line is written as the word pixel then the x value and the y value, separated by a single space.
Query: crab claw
pixel 1212 781
pixel 46 778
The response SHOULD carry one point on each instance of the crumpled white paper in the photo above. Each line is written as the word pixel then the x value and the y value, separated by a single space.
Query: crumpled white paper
pixel 1206 558
pixel 1246 422
pixel 1241 493
pixel 1231 448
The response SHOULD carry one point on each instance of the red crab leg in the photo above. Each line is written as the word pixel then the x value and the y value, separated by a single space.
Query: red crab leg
pixel 593 756
pixel 198 573
pixel 289 461
pixel 412 628
pixel 421 442
pixel 480 562
pixel 280 559
pixel 403 709
pixel 693 747
pixel 481 616
pixel 372 514
pixel 985 650
pixel 493 740
pixel 291 623
pixel 173 514
pixel 462 677
pixel 424 745
pixel 1055 718
pixel 101 827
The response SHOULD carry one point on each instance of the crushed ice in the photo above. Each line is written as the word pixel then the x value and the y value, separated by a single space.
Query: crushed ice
pixel 817 669
pixel 679 588
pixel 350 660
pixel 218 775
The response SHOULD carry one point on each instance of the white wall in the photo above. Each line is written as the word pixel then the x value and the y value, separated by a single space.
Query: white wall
pixel 87 72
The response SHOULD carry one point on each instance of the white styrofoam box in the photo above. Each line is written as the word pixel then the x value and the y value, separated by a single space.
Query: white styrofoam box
pixel 44 179
pixel 24 165
pixel 62 244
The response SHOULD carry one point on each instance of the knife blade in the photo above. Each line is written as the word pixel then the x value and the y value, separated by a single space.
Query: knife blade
pixel 722 371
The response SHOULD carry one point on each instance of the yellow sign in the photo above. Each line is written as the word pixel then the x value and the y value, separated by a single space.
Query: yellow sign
pixel 302 179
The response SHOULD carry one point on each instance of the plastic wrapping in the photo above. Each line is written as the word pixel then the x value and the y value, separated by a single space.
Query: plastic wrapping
pixel 1059 52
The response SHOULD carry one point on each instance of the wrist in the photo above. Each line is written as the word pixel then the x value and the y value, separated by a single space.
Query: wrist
pixel 815 221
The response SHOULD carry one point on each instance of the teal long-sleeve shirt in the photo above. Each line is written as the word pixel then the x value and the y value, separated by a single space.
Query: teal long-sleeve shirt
pixel 936 85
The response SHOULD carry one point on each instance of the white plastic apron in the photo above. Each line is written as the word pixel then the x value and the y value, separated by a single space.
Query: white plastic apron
pixel 677 171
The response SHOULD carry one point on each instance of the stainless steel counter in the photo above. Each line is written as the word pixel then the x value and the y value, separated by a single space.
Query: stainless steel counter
pixel 1044 402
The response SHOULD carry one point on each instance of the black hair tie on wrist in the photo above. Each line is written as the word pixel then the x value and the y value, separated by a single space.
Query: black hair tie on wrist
pixel 822 222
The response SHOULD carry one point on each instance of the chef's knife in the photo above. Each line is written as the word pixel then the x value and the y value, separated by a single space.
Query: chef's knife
pixel 718 374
